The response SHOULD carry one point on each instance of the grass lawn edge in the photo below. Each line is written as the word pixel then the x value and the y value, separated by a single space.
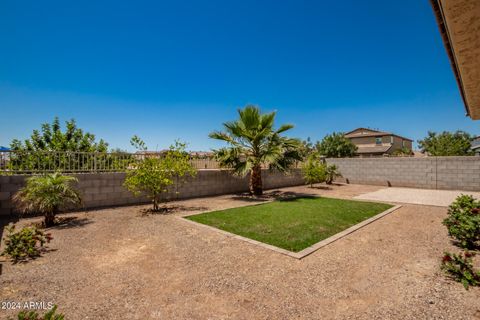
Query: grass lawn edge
pixel 303 253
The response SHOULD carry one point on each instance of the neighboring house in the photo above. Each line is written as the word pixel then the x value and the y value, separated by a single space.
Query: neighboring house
pixel 377 143
pixel 476 145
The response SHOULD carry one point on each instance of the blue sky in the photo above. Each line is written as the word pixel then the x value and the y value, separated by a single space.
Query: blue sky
pixel 178 69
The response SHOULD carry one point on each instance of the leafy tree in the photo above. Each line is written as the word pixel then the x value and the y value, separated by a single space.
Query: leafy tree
pixel 253 143
pixel 314 171
pixel 153 176
pixel 47 194
pixel 446 144
pixel 51 138
pixel 307 148
pixel 336 145
pixel 48 149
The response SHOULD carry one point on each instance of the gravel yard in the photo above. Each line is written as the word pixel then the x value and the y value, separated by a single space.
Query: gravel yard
pixel 119 264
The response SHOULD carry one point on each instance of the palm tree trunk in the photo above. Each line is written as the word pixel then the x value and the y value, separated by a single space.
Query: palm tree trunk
pixel 155 202
pixel 256 187
pixel 49 219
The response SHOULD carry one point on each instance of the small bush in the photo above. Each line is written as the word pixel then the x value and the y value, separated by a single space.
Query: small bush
pixel 460 268
pixel 314 171
pixel 25 244
pixel 331 173
pixel 463 221
pixel 33 315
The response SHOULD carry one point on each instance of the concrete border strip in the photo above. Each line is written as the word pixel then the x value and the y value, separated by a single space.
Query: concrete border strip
pixel 305 252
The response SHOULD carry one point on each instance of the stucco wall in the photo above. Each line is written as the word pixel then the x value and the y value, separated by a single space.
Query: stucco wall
pixel 106 189
pixel 450 173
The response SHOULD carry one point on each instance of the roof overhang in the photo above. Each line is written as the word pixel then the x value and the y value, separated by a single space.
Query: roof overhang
pixel 459 24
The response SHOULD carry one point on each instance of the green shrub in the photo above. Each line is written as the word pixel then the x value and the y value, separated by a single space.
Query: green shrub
pixel 25 244
pixel 314 171
pixel 463 221
pixel 47 194
pixel 331 173
pixel 460 268
pixel 33 315
pixel 153 176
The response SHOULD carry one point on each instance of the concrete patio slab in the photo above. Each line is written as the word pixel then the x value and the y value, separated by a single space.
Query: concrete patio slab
pixel 428 197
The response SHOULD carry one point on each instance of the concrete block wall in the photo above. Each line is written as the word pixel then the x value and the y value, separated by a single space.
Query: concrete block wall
pixel 448 173
pixel 106 189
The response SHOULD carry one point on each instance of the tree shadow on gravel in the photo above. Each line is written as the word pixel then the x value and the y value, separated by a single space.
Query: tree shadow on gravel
pixel 70 222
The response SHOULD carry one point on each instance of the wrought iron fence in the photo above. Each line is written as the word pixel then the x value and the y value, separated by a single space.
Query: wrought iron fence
pixel 79 162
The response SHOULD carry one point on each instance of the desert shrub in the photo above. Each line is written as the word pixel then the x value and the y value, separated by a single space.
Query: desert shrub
pixel 25 244
pixel 331 173
pixel 153 176
pixel 463 221
pixel 47 194
pixel 33 315
pixel 314 171
pixel 460 268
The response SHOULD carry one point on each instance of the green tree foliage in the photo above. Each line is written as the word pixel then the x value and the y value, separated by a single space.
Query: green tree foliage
pixel 314 171
pixel 47 194
pixel 307 148
pixel 446 144
pixel 253 143
pixel 156 174
pixel 331 173
pixel 52 149
pixel 52 138
pixel 336 145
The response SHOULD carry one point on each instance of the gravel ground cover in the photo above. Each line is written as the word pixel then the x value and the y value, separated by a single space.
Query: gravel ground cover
pixel 120 264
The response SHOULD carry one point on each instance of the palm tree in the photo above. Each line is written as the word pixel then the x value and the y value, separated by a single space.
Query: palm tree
pixel 254 143
pixel 331 172
pixel 47 194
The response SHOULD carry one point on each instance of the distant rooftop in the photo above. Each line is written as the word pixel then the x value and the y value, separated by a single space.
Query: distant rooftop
pixel 367 132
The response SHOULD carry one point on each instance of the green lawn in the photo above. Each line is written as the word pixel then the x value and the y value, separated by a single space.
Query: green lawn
pixel 292 224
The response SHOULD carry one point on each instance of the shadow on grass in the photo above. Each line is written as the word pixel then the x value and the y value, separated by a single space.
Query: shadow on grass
pixel 171 209
pixel 275 195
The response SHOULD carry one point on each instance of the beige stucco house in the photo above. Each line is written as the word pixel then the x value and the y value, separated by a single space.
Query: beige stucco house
pixel 377 143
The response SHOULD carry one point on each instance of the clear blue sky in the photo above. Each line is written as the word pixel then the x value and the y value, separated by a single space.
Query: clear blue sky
pixel 178 69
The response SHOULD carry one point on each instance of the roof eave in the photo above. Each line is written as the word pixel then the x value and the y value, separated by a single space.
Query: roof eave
pixel 442 26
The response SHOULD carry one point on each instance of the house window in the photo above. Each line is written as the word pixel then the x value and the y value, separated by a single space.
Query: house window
pixel 378 140
pixel 403 144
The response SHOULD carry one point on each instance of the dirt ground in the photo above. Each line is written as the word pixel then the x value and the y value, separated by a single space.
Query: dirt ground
pixel 119 264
